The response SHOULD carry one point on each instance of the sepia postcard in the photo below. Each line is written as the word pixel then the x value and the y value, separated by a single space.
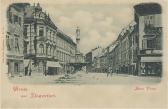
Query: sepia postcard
pixel 84 54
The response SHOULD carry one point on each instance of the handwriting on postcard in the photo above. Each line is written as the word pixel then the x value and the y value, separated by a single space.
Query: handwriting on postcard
pixel 24 92
pixel 145 88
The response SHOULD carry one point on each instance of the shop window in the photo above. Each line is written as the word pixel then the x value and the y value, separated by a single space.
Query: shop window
pixel 16 68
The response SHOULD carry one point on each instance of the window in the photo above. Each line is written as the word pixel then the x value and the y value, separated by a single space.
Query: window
pixel 150 43
pixel 50 35
pixel 51 49
pixel 15 19
pixel 41 46
pixel 25 30
pixel 20 21
pixel 151 17
pixel 8 43
pixel 16 67
pixel 41 31
pixel 143 44
pixel 16 44
pixel 46 50
pixel 10 17
pixel 54 51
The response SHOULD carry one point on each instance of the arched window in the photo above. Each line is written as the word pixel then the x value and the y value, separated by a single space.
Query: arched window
pixel 48 50
pixel 41 46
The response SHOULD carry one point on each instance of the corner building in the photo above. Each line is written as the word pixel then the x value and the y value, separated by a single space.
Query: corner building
pixel 148 19
pixel 46 48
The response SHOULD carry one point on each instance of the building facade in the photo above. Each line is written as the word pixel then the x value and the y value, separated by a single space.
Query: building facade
pixel 88 60
pixel 104 62
pixel 138 48
pixel 46 48
pixel 92 59
pixel 66 51
pixel 148 19
pixel 14 40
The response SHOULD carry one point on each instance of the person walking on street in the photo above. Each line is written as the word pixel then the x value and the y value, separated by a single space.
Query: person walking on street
pixel 111 72
pixel 30 72
pixel 26 70
pixel 108 72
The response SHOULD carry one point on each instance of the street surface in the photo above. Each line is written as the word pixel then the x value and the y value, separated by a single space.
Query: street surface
pixel 85 78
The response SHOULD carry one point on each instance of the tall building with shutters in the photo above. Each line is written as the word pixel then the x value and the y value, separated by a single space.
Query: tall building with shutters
pixel 14 40
pixel 148 19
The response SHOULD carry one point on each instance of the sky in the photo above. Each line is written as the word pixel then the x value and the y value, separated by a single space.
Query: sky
pixel 99 24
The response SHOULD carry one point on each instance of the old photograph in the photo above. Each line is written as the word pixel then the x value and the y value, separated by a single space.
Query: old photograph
pixel 84 44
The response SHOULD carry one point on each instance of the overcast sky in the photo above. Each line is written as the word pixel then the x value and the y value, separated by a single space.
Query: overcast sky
pixel 99 24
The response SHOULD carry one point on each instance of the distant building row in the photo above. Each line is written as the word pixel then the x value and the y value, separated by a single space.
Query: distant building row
pixel 138 48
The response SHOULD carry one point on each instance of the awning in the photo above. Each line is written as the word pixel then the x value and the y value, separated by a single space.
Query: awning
pixel 151 59
pixel 53 64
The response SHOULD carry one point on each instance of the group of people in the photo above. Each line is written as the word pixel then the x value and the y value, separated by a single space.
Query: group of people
pixel 109 72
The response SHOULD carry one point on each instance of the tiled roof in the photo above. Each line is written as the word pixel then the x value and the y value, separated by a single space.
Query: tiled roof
pixel 64 36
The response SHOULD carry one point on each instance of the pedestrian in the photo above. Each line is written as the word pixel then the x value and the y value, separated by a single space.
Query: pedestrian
pixel 111 72
pixel 26 70
pixel 30 72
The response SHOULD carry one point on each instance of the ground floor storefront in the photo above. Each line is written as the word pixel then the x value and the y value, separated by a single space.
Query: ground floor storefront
pixel 151 68
pixel 43 66
pixel 15 67
pixel 141 68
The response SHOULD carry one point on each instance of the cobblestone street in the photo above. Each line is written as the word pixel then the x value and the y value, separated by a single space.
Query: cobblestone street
pixel 81 77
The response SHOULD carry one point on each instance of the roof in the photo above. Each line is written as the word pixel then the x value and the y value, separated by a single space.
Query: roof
pixel 148 8
pixel 47 21
pixel 128 29
pixel 40 21
pixel 65 37
pixel 19 6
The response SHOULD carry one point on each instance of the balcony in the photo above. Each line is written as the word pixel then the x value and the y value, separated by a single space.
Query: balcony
pixel 151 30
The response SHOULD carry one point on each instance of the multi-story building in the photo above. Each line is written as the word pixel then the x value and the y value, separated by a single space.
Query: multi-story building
pixel 148 19
pixel 93 59
pixel 66 51
pixel 14 40
pixel 104 62
pixel 47 49
pixel 39 40
pixel 88 60
pixel 138 48
pixel 112 57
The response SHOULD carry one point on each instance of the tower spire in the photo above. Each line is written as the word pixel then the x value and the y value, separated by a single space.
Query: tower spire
pixel 77 38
